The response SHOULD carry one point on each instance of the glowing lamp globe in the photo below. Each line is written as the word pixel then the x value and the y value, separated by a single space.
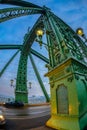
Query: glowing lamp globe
pixel 79 31
pixel 39 32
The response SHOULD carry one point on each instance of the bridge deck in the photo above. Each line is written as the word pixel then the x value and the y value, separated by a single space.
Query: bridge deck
pixel 42 128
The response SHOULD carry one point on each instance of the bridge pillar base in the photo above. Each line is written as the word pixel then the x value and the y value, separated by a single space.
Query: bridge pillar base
pixel 63 123
pixel 21 96
pixel 68 85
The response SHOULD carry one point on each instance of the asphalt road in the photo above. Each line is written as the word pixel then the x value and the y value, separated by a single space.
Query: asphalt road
pixel 25 124
pixel 29 118
pixel 26 118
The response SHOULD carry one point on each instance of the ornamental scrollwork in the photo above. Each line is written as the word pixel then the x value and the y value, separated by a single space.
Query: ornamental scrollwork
pixel 76 77
pixel 68 69
pixel 70 79
pixel 80 68
pixel 86 77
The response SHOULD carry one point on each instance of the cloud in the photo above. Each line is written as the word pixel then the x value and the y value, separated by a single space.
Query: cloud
pixel 72 12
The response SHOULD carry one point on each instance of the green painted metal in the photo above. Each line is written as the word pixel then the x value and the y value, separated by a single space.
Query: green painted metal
pixel 53 39
pixel 2 71
pixel 49 42
pixel 67 70
pixel 10 13
pixel 19 3
pixel 70 72
pixel 64 41
pixel 21 92
pixel 31 50
pixel 3 47
pixel 71 39
pixel 70 34
pixel 39 79
pixel 29 37
pixel 40 56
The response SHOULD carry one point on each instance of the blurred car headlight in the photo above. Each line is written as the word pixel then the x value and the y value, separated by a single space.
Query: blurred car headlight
pixel 2 117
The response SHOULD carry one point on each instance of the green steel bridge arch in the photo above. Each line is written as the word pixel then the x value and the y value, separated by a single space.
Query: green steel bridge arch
pixel 62 43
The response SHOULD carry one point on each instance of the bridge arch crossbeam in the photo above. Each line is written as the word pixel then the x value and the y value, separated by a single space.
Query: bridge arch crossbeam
pixel 10 13
pixel 21 91
pixel 19 3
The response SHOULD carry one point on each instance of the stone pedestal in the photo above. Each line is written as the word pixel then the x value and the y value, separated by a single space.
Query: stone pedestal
pixel 68 83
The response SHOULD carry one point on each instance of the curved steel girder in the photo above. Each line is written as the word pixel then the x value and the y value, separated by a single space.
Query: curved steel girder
pixel 21 85
pixel 70 35
pixel 19 3
pixel 30 36
pixel 9 13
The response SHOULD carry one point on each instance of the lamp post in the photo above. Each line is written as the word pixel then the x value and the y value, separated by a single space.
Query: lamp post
pixel 30 85
pixel 80 32
pixel 12 83
pixel 39 33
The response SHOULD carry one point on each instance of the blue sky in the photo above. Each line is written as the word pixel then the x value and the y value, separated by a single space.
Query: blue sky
pixel 73 12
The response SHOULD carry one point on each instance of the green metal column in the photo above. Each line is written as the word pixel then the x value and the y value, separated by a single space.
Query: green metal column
pixel 49 43
pixel 21 92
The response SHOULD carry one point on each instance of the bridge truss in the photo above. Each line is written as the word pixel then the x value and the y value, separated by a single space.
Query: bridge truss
pixel 62 43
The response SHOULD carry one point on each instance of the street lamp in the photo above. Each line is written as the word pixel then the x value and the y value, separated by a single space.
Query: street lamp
pixel 80 32
pixel 12 83
pixel 30 85
pixel 39 33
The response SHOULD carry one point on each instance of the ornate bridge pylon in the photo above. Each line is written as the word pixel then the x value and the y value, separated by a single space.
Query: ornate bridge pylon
pixel 67 65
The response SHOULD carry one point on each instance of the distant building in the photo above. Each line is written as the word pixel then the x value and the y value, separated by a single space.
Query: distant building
pixel 4 98
pixel 37 99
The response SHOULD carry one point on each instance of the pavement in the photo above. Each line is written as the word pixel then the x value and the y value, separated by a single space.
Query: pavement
pixel 42 128
pixel 38 115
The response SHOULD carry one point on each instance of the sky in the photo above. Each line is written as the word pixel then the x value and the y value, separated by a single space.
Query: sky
pixel 73 12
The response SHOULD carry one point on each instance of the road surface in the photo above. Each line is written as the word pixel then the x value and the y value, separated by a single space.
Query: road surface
pixel 27 118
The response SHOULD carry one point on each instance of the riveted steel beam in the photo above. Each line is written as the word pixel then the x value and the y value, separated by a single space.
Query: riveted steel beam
pixel 10 47
pixel 10 13
pixel 19 3
pixel 31 35
pixel 37 54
